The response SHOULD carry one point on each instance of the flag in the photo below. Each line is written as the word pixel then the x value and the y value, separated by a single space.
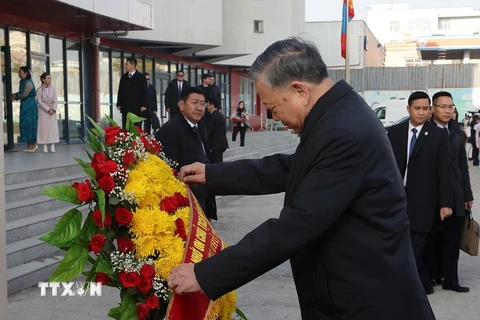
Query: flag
pixel 347 16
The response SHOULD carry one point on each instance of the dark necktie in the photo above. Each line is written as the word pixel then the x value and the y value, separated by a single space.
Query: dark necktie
pixel 412 142
pixel 130 76
pixel 199 141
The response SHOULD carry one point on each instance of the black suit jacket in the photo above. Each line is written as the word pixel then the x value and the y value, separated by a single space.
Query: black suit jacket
pixel 462 190
pixel 429 178
pixel 207 92
pixel 180 144
pixel 172 96
pixel 132 93
pixel 343 225
pixel 151 99
pixel 216 130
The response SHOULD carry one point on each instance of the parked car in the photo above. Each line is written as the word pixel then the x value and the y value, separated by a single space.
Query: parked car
pixel 391 111
pixel 397 122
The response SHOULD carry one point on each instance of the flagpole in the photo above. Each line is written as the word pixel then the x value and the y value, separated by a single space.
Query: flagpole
pixel 347 55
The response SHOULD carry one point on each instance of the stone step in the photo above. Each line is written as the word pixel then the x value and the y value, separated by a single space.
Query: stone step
pixel 35 225
pixel 28 207
pixel 34 188
pixel 261 148
pixel 43 174
pixel 26 250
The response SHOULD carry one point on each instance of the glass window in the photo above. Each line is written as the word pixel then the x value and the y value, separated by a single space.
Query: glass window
pixel 74 99
pixel 149 67
pixel 18 56
pixel 37 43
pixel 139 63
pixel 173 68
pixel 161 65
pixel 56 66
pixel 380 113
pixel 104 58
pixel 39 66
pixel 187 73
pixel 117 65
pixel 200 72
pixel 394 26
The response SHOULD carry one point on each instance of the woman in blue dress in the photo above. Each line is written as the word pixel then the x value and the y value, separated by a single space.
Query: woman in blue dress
pixel 28 109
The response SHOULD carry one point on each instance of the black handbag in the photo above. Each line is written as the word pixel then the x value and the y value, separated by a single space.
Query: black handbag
pixel 155 122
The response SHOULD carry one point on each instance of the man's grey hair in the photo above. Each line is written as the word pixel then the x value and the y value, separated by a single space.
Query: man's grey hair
pixel 292 59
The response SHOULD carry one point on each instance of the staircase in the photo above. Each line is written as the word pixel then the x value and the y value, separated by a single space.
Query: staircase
pixel 29 214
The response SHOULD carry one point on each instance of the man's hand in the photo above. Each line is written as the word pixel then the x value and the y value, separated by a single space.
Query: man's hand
pixel 193 173
pixel 182 279
pixel 445 212
pixel 155 112
pixel 143 109
pixel 168 110
pixel 119 108
pixel 468 205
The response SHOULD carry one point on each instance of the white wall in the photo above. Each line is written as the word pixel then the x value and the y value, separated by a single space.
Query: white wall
pixel 184 21
pixel 281 19
pixel 326 35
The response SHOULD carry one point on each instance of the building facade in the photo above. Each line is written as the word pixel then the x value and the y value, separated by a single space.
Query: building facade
pixel 440 35
pixel 83 45
pixel 364 48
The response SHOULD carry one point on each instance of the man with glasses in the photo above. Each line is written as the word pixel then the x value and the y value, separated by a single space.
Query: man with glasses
pixel 152 105
pixel 443 109
pixel 173 93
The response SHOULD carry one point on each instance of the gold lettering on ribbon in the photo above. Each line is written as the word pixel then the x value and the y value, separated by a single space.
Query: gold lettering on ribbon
pixel 201 235
pixel 198 244
pixel 197 255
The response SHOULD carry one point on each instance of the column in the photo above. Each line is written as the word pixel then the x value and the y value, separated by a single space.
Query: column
pixel 3 233
pixel 466 56
pixel 95 41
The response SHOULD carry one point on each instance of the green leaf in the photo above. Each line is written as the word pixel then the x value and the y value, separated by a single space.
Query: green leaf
pixel 66 228
pixel 101 202
pixel 100 131
pixel 89 229
pixel 96 145
pixel 87 168
pixel 89 154
pixel 113 201
pixel 104 267
pixel 127 309
pixel 240 314
pixel 63 193
pixel 112 122
pixel 72 264
pixel 93 270
pixel 46 237
pixel 131 120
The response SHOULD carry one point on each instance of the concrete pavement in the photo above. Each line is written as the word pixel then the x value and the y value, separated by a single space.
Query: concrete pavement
pixel 271 296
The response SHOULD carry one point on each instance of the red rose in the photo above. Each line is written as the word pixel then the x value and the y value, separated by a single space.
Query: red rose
pixel 143 311
pixel 108 167
pixel 129 279
pixel 144 286
pixel 107 184
pixel 148 271
pixel 129 157
pixel 179 200
pixel 98 172
pixel 140 130
pixel 179 223
pixel 152 302
pixel 97 217
pixel 168 205
pixel 85 193
pixel 99 157
pixel 111 134
pixel 97 242
pixel 125 245
pixel 155 147
pixel 123 216
pixel 145 142
pixel 103 278
pixel 181 233
pixel 175 172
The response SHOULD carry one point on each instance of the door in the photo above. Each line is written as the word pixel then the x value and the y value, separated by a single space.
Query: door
pixel 161 83
pixel 6 102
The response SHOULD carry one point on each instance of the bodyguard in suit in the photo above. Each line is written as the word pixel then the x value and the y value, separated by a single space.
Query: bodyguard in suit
pixel 132 91
pixel 216 131
pixel 152 105
pixel 443 109
pixel 423 159
pixel 343 224
pixel 174 91
pixel 184 140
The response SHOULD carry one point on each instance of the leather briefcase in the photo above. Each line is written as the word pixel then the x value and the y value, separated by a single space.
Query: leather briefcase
pixel 470 235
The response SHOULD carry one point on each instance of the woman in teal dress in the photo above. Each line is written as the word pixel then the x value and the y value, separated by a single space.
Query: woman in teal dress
pixel 28 109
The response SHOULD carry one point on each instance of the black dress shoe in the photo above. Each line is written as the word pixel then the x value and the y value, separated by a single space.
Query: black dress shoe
pixel 438 281
pixel 428 289
pixel 455 287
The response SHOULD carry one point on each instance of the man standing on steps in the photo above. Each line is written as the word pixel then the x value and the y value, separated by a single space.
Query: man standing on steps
pixel 173 93
pixel 132 92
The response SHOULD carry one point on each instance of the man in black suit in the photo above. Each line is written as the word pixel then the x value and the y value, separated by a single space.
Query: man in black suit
pixel 343 225
pixel 216 131
pixel 423 159
pixel 184 140
pixel 216 94
pixel 206 87
pixel 152 105
pixel 443 109
pixel 132 92
pixel 173 93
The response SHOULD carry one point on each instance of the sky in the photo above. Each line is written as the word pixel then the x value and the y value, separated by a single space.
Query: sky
pixel 328 10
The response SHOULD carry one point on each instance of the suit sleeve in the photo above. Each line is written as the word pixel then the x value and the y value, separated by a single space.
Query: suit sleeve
pixel 170 142
pixel 249 177
pixel 143 88
pixel 121 94
pixel 168 94
pixel 444 173
pixel 329 187
pixel 463 164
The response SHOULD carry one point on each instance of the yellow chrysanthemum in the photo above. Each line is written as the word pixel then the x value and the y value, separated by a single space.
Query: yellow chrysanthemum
pixel 145 246
pixel 184 214
pixel 227 303
pixel 150 200
pixel 143 222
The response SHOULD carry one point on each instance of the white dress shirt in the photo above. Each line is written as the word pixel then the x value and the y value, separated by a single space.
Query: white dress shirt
pixel 130 74
pixel 409 140
pixel 195 125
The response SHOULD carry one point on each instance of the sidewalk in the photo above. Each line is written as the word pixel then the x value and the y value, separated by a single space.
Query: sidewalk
pixel 270 297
